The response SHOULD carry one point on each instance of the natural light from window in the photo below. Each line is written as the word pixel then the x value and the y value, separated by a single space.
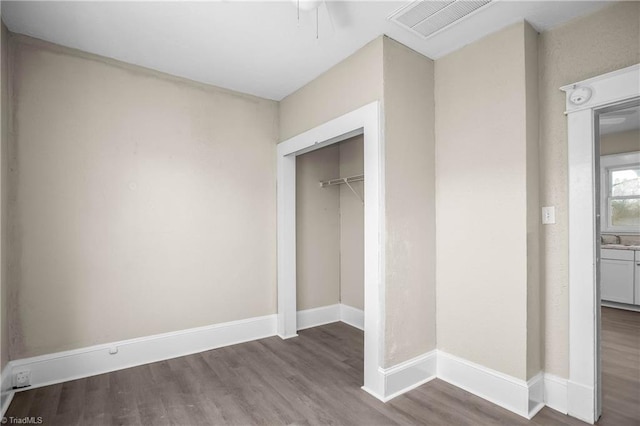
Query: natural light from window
pixel 624 201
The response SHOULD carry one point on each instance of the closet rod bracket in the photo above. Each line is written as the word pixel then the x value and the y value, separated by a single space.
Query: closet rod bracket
pixel 348 181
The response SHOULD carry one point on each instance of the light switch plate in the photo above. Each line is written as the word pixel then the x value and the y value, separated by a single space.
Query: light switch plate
pixel 548 215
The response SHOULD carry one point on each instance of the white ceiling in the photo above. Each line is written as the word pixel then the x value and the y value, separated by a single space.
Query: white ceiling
pixel 623 120
pixel 255 47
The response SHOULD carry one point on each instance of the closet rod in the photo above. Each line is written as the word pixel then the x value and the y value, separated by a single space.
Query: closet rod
pixel 347 180
pixel 340 181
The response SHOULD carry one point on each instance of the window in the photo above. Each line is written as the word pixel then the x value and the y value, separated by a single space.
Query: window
pixel 620 192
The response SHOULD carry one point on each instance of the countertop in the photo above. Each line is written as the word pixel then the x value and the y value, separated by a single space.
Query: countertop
pixel 619 247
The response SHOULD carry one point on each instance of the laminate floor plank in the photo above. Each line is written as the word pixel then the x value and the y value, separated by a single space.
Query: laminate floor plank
pixel 620 346
pixel 309 380
pixel 283 381
pixel 121 403
pixel 45 403
pixel 95 407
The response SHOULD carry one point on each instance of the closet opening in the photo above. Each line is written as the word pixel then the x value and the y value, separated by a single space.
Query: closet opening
pixel 330 249
pixel 325 289
pixel 330 234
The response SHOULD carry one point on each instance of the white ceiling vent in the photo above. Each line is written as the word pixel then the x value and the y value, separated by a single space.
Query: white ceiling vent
pixel 428 17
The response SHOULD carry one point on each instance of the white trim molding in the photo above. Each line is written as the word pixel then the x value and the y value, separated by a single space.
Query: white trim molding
pixel 606 89
pixel 525 398
pixel 535 385
pixel 409 375
pixel 85 362
pixel 352 316
pixel 90 361
pixel 521 397
pixel 584 100
pixel 518 396
pixel 555 392
pixel 400 378
pixel 332 313
pixel 367 121
pixel 580 401
pixel 315 317
pixel 6 390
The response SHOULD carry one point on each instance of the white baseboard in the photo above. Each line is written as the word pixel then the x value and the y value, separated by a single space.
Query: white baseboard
pixel 555 392
pixel 408 375
pixel 352 316
pixel 318 316
pixel 580 401
pixel 536 394
pixel 6 391
pixel 75 364
pixel 85 362
pixel 518 396
pixel 315 317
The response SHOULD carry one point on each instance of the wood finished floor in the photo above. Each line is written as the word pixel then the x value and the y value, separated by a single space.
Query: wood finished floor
pixel 620 345
pixel 312 379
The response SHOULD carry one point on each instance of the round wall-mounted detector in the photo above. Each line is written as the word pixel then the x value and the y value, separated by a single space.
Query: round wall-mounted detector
pixel 580 95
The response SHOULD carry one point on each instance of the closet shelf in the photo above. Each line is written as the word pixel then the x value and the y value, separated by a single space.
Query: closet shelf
pixel 347 181
pixel 340 181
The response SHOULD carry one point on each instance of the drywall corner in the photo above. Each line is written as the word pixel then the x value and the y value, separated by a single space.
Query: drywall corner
pixel 4 185
pixel 534 305
pixel 409 203
pixel 481 208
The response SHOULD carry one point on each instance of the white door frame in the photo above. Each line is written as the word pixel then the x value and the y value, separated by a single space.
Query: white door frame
pixel 367 121
pixel 583 102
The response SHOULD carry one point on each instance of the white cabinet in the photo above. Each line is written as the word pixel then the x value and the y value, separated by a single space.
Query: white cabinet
pixel 618 268
pixel 617 280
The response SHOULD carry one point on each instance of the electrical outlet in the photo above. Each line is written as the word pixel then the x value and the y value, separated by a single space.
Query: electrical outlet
pixel 22 379
pixel 548 215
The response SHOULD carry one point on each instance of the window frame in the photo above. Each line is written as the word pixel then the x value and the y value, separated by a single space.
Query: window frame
pixel 609 164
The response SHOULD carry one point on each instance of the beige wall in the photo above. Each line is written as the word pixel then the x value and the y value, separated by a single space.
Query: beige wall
pixel 619 143
pixel 330 228
pixel 482 210
pixel 354 82
pixel 4 170
pixel 605 41
pixel 352 225
pixel 317 229
pixel 403 79
pixel 107 155
pixel 410 328
pixel 130 183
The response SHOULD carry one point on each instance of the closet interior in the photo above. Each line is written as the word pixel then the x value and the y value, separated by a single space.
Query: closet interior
pixel 330 226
